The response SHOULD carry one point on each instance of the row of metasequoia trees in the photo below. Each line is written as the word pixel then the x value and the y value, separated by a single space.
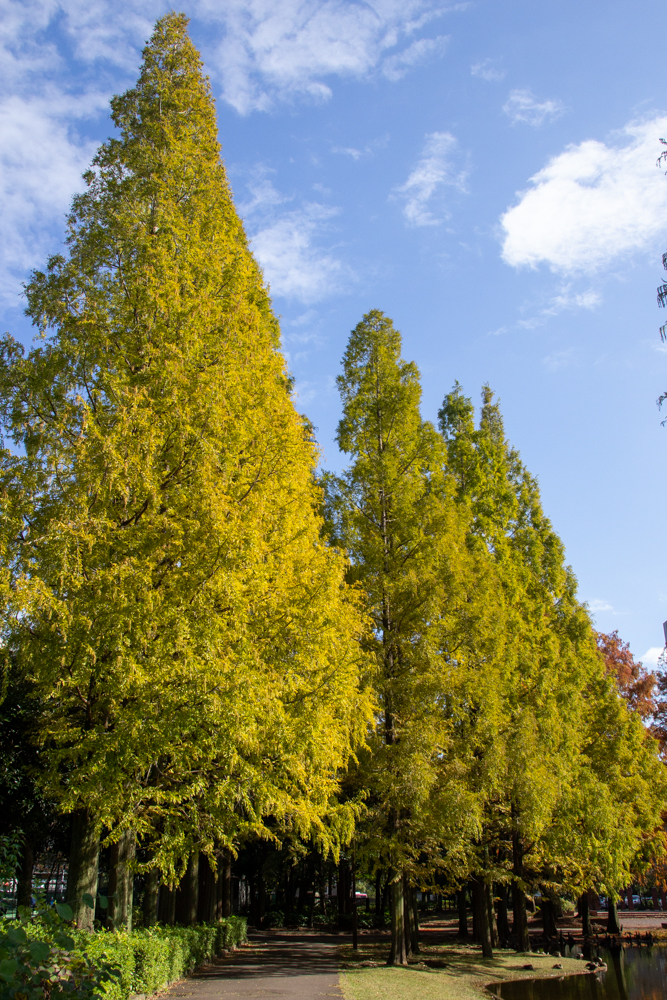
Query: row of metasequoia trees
pixel 212 647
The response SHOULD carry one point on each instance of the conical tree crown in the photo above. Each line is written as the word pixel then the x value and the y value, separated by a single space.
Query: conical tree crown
pixel 174 561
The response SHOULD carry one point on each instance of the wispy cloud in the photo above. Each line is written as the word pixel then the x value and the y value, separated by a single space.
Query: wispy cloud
pixel 367 150
pixel 598 605
pixel 591 205
pixel 523 106
pixel 435 170
pixel 489 70
pixel 294 262
pixel 395 67
pixel 274 50
pixel 564 299
pixel 61 63
pixel 42 157
pixel 652 656
pixel 554 362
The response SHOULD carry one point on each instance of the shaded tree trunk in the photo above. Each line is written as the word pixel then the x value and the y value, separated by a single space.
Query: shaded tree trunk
pixel 548 919
pixel 187 894
pixel 397 953
pixel 150 900
pixel 166 906
pixel 82 872
pixel 463 912
pixel 225 881
pixel 24 886
pixel 379 899
pixel 386 897
pixel 493 929
pixel 584 913
pixel 414 925
pixel 407 916
pixel 206 891
pixel 503 921
pixel 613 926
pixel 520 921
pixel 481 913
pixel 323 883
pixel 121 882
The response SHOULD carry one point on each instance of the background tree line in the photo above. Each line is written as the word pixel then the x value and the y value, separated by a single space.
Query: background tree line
pixel 211 652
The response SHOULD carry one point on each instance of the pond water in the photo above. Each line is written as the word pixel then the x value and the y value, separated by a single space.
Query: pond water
pixel 632 974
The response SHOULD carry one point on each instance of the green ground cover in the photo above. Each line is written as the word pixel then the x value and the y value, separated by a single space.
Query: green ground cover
pixel 443 972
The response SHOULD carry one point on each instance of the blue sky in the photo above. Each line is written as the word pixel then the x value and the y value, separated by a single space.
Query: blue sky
pixel 484 172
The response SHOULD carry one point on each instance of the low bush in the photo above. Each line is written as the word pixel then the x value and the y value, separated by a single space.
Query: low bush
pixel 148 959
pixel 41 956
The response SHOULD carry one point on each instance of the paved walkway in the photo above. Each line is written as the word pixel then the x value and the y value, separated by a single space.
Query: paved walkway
pixel 298 966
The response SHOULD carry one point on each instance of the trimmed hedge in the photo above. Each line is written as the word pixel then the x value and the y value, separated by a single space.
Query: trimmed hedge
pixel 149 959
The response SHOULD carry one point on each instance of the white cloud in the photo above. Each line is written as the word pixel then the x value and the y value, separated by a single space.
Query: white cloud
pixel 488 69
pixel 275 49
pixel 62 61
pixel 395 67
pixel 564 299
pixel 598 605
pixel 433 171
pixel 652 655
pixel 591 205
pixel 293 263
pixel 523 106
pixel 355 154
pixel 554 362
pixel 41 161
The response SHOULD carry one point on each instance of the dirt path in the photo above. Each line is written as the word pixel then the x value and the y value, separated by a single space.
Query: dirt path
pixel 299 966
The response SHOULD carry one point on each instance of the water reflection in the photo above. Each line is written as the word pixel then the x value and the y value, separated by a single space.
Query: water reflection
pixel 632 974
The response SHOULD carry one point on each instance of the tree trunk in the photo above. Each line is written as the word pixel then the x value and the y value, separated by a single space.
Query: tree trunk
pixel 631 902
pixel 481 912
pixel 121 882
pixel 548 919
pixel 613 926
pixel 187 895
pixel 407 917
pixel 24 886
pixel 166 905
pixel 149 905
pixel 414 924
pixel 463 912
pixel 323 883
pixel 386 897
pixel 226 883
pixel 520 921
pixel 503 922
pixel 379 912
pixel 493 928
pixel 584 913
pixel 206 891
pixel 654 898
pixel 82 872
pixel 397 953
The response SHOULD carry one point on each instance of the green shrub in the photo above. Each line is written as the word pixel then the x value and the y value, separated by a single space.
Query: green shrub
pixel 148 959
pixel 40 958
pixel 109 964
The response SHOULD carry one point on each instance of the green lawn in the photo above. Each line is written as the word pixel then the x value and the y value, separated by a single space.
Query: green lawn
pixel 460 972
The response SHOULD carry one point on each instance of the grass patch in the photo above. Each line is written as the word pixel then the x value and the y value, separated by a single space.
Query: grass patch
pixel 442 972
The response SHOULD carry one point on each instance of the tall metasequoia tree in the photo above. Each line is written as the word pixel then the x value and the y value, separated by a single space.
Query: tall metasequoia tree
pixel 393 511
pixel 165 585
pixel 567 764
